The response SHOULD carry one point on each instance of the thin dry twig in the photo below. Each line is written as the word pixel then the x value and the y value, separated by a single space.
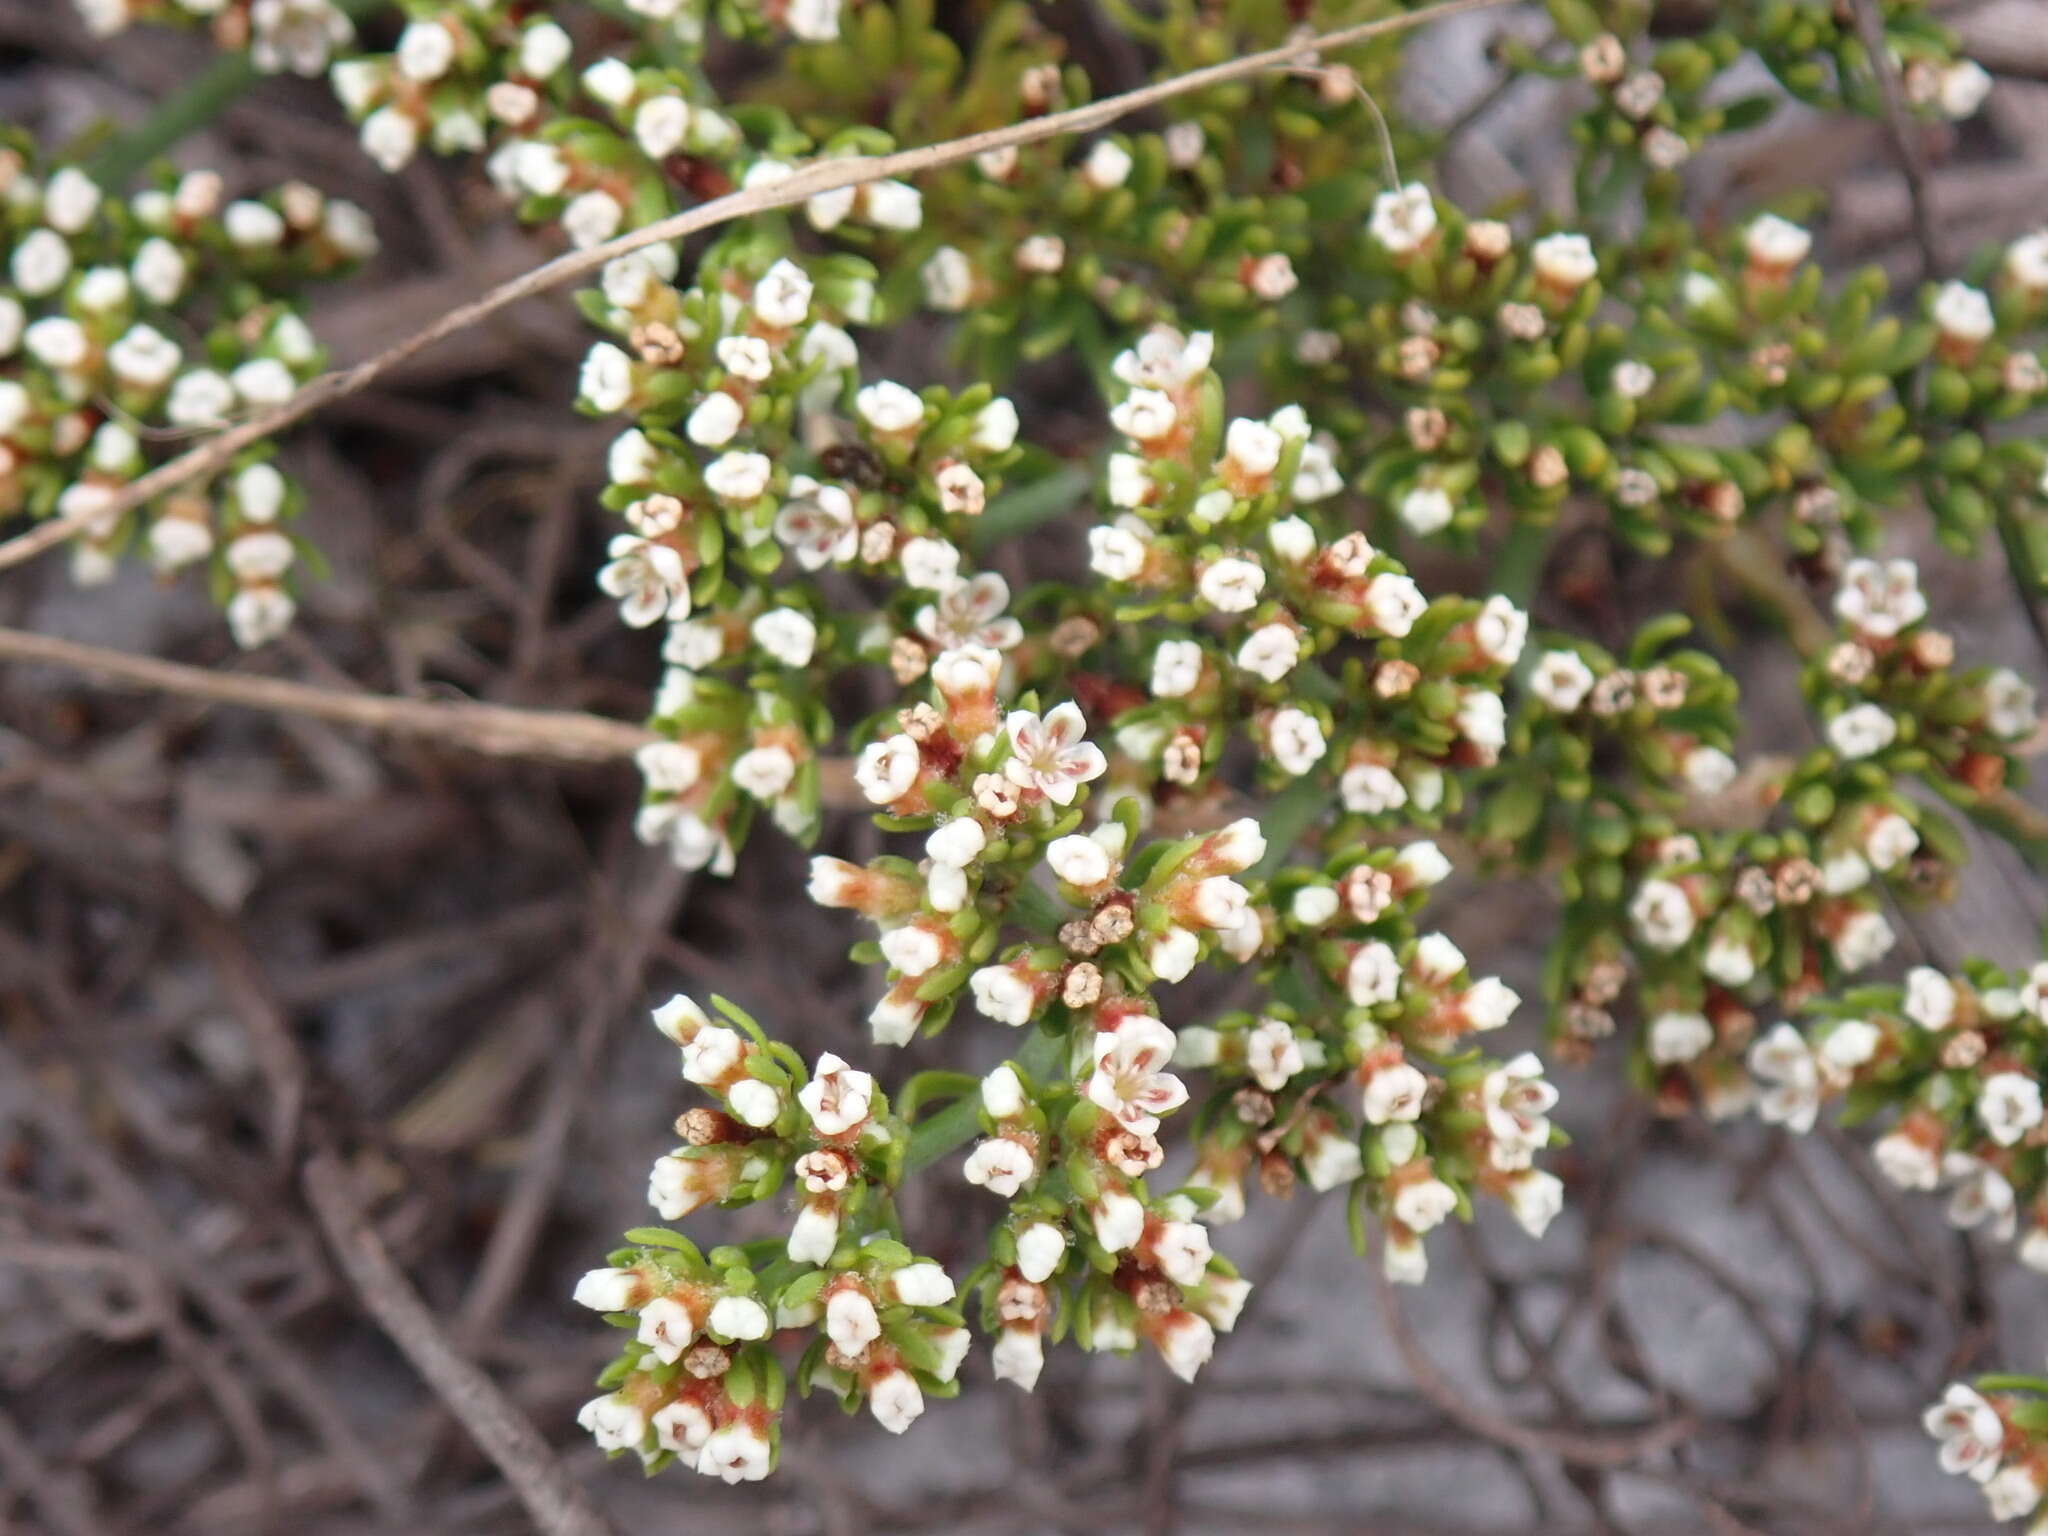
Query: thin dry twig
pixel 558 1504
pixel 1899 129
pixel 805 182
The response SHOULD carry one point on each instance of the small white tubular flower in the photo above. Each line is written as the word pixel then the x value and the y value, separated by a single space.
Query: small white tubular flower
pixel 1889 841
pixel 922 1285
pixel 1403 219
pixel 958 843
pixel 683 1427
pixel 912 950
pixel 1296 740
pixel 1707 770
pixel 1116 553
pixel 1002 1093
pixel 838 1097
pixel 1080 861
pixel 613 1422
pixel 1173 954
pixel 887 769
pixel 1482 720
pixel 1863 939
pixel 1018 1356
pixel 1107 167
pixel 1373 975
pixel 764 772
pixel 1677 1037
pixel 1970 1431
pixel 1662 914
pixel 1273 1055
pixel 1535 1197
pixel 889 407
pixel 1270 652
pixel 1959 90
pixel 850 1320
pixel 1422 1204
pixel 1144 415
pixel 754 1103
pixel 787 635
pixel 1393 603
pixel 737 478
pixel 1232 584
pixel 1963 314
pixel 2009 1104
pixel 1500 631
pixel 1880 598
pixel 1518 1100
pixel 607 1290
pixel 606 380
pixel 1000 1165
pixel 895 1400
pixel 1176 668
pixel 1050 754
pixel 1907 1160
pixel 2015 1492
pixel 1119 1220
pixel 1368 789
pixel 948 279
pixel 739 1453
pixel 1437 959
pixel 1789 1079
pixel 1040 1247
pixel 1129 1079
pixel 738 1317
pixel 2008 704
pixel 995 428
pixel 648 580
pixel 1426 509
pixel 1002 994
pixel 715 420
pixel 1930 998
pixel 1252 448
pixel 1181 1251
pixel 815 1233
pixel 1394 1093
pixel 1776 244
pixel 1564 261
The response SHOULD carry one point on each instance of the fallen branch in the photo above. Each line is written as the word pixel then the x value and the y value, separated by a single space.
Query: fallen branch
pixel 805 182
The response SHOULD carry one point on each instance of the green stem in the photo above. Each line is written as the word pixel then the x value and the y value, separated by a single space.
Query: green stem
pixel 1519 564
pixel 954 1126
pixel 229 77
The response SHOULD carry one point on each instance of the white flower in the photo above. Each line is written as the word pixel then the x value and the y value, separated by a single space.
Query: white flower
pixel 1437 959
pixel 818 525
pixel 1181 1250
pixel 258 615
pixel 912 950
pixel 606 381
pixel 1273 1055
pixel 1394 1093
pixel 1000 1166
pixel 613 1422
pixel 143 358
pixel 1404 218
pixel 787 635
pixel 1482 720
pixel 2016 1490
pixel 1889 840
pixel 1296 740
pixel 1970 1432
pixel 1789 1077
pixel 1176 668
pixel 1107 167
pixel 2026 262
pixel 1500 631
pixel 739 1317
pixel 1662 914
pixel 1423 1203
pixel 889 407
pixel 40 262
pixel 425 51
pixel 1489 1003
pixel 1907 1161
pixel 1144 416
pixel 814 1234
pixel 1115 553
pixel 995 428
pixel 738 478
pixel 948 278
pixel 838 1097
pixel 1173 954
pixel 263 382
pixel 1370 790
pixel 958 843
pixel 922 1285
pixel 783 296
pixel 1050 754
pixel 1518 1101
pixel 1426 509
pixel 1564 261
pixel 648 580
pixel 970 613
pixel 814 21
pixel 1018 1356
pixel 1040 1247
pixel 1678 1037
pixel 1002 994
pixel 850 1321
pixel 1080 860
pixel 1164 359
pixel 717 417
pixel 543 49
pixel 736 1454
pixel 1119 1220
pixel 1963 313
pixel 2009 1104
pixel 886 770
pixel 2008 704
pixel 1981 1196
pixel 1128 1080
pixel 1960 90
pixel 683 1427
pixel 895 1400
pixel 893 205
pixel 1930 998
pixel 1329 1160
pixel 1253 448
pixel 1271 651
pixel 1880 599
pixel 1272 277
pixel 1776 244
pixel 713 1054
pixel 1863 939
pixel 1707 770
pixel 1393 603
pixel 1849 1045
pixel 1002 1093
pixel 1534 1200
pixel 1729 960
pixel 58 342
pixel 764 772
pixel 607 1290
pixel 1373 976
pixel 961 490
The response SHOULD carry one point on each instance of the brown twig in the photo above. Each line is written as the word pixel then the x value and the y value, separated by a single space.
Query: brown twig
pixel 805 182
pixel 1898 128
pixel 558 1505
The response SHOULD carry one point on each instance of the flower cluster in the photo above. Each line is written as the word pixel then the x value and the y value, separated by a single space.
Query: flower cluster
pixel 126 323
pixel 1996 1434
